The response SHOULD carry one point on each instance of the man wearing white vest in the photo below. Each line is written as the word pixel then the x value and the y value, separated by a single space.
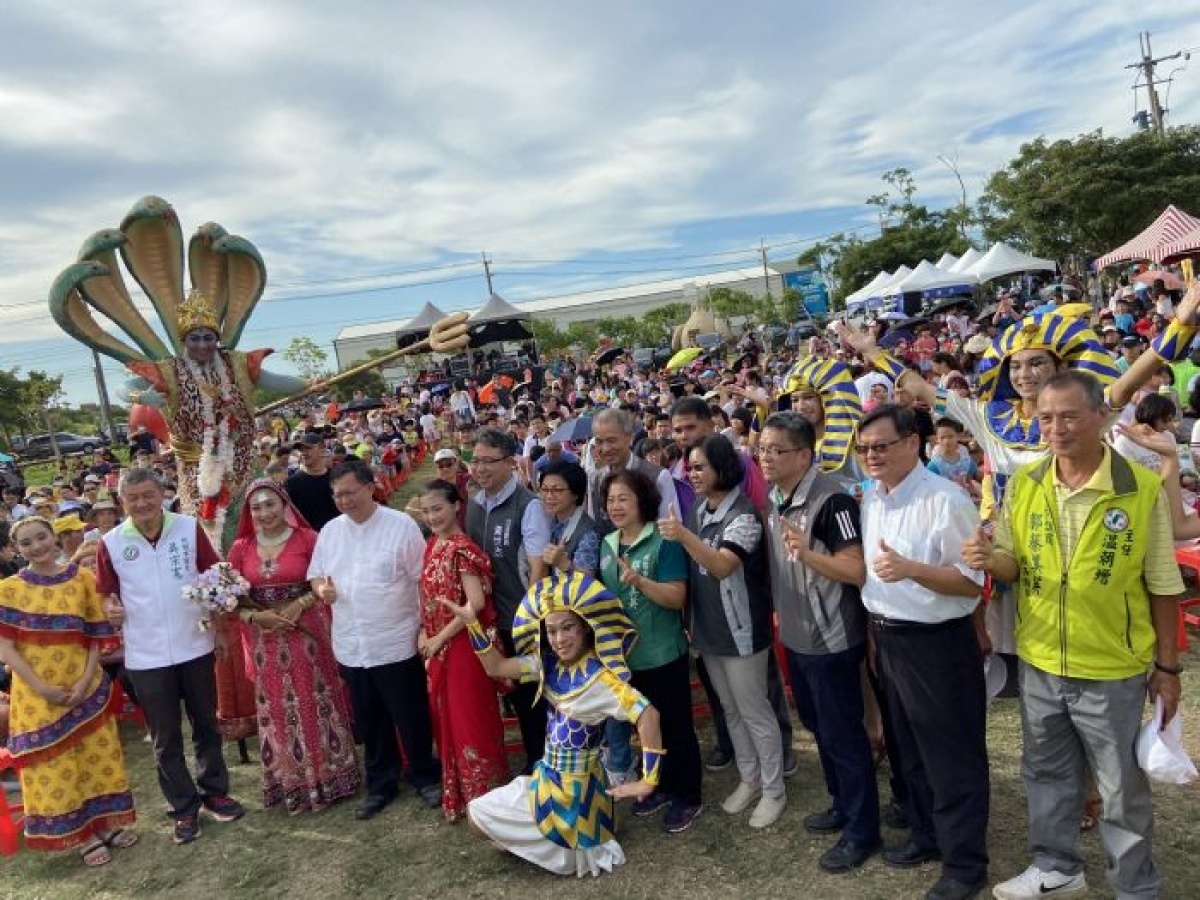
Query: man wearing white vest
pixel 142 567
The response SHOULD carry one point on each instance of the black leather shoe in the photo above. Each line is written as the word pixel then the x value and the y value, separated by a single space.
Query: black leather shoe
pixel 894 816
pixel 845 856
pixel 946 888
pixel 431 795
pixel 906 856
pixel 371 807
pixel 825 822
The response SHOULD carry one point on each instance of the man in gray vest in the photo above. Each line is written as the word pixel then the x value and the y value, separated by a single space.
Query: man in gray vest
pixel 508 522
pixel 816 558
pixel 612 449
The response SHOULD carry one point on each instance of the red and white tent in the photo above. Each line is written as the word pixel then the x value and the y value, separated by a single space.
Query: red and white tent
pixel 1171 225
pixel 1188 245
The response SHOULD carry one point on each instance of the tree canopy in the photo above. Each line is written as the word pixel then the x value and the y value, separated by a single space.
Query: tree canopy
pixel 1084 197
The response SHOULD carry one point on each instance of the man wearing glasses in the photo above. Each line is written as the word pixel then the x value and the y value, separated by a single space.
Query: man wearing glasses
pixel 921 598
pixel 512 527
pixel 367 566
pixel 612 448
pixel 817 569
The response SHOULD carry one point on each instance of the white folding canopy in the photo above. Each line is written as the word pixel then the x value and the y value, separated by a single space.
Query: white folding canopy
pixel 1002 259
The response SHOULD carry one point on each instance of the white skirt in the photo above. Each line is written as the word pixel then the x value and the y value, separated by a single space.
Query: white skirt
pixel 506 816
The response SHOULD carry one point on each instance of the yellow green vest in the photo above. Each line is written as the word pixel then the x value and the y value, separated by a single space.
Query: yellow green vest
pixel 1091 618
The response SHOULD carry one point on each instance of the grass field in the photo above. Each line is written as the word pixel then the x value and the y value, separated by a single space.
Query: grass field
pixel 409 851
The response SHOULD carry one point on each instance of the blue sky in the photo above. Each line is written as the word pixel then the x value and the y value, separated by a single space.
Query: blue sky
pixel 382 147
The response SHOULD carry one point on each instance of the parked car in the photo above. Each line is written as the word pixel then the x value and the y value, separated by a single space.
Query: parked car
pixel 40 447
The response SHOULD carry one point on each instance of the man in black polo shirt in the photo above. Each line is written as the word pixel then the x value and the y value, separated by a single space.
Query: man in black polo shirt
pixel 309 488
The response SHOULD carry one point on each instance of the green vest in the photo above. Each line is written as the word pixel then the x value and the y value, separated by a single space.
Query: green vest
pixel 1090 619
pixel 661 638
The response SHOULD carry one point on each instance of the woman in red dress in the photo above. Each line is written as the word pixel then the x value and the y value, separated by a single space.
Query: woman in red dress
pixel 308 759
pixel 462 698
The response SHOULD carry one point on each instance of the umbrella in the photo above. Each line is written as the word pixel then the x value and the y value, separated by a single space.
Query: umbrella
pixel 683 357
pixel 363 405
pixel 1170 280
pixel 895 336
pixel 894 316
pixel 573 431
pixel 441 388
pixel 5 458
pixel 609 355
pixel 948 303
pixel 1066 289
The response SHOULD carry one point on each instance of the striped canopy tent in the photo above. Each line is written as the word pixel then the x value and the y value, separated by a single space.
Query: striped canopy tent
pixel 1188 245
pixel 1171 225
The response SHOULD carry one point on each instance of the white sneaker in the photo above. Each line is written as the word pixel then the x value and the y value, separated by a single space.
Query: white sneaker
pixel 768 811
pixel 741 798
pixel 1034 884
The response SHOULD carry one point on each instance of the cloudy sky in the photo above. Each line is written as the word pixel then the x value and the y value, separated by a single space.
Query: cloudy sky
pixel 372 151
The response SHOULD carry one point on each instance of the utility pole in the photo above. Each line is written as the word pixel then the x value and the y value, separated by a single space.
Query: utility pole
pixel 105 407
pixel 487 270
pixel 1146 66
pixel 762 249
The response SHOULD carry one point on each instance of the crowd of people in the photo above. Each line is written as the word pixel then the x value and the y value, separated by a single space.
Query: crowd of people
pixel 870 527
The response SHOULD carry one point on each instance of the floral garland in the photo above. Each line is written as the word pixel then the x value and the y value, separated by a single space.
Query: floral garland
pixel 216 447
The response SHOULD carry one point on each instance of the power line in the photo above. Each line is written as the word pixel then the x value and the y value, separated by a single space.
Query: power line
pixel 1146 66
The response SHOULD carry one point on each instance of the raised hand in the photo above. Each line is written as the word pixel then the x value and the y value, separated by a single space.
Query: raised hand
pixel 325 590
pixel 671 527
pixel 1189 306
pixel 977 549
pixel 1161 442
pixel 795 538
pixel 889 566
pixel 628 575
pixel 114 611
pixel 556 556
pixel 863 342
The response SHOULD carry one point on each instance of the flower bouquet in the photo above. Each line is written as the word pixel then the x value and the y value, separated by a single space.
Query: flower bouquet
pixel 219 589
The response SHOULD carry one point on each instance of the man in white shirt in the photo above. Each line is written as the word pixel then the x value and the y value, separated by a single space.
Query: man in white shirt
pixel 921 598
pixel 367 565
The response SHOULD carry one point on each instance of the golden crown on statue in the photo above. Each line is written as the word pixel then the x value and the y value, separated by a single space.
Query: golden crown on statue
pixel 197 312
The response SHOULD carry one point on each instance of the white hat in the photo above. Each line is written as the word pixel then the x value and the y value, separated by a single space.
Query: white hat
pixel 445 453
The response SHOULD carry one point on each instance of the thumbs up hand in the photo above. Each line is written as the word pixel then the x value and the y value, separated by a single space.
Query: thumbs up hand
pixel 628 575
pixel 671 528
pixel 795 539
pixel 556 556
pixel 977 549
pixel 325 590
pixel 890 566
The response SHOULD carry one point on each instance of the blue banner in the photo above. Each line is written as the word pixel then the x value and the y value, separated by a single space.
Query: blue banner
pixel 809 284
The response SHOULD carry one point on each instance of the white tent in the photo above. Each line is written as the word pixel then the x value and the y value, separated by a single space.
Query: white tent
pixel 967 260
pixel 886 289
pixel 1002 259
pixel 928 277
pixel 948 259
pixel 869 288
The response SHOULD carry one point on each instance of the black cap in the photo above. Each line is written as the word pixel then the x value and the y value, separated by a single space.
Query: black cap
pixel 1132 340
pixel 308 439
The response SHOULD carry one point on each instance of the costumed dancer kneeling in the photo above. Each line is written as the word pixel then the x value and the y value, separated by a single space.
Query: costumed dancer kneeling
pixel 571 636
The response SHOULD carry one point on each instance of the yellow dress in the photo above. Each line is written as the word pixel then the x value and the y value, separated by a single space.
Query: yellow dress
pixel 73 778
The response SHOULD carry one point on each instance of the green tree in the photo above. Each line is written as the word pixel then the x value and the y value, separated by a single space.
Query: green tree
pixel 308 358
pixel 1086 196
pixel 370 382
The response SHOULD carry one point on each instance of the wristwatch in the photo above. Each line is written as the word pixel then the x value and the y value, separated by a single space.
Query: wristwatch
pixel 1168 670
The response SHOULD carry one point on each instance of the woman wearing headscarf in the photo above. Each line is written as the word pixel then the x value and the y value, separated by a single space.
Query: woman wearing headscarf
pixel 303 711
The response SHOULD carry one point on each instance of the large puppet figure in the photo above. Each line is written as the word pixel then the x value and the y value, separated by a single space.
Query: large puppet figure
pixel 204 386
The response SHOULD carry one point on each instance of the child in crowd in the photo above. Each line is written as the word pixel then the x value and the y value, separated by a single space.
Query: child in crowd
pixel 950 458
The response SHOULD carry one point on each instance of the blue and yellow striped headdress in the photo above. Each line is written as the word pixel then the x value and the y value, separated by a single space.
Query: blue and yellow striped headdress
pixel 833 382
pixel 1067 339
pixel 586 597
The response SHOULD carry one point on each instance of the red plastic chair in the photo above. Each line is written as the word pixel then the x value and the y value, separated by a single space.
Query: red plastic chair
pixel 12 815
pixel 1188 557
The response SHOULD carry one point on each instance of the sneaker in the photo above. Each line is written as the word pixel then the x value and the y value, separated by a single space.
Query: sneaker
pixel 791 762
pixel 223 809
pixel 718 760
pixel 1033 884
pixel 741 798
pixel 187 828
pixel 768 811
pixel 680 816
pixel 650 804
